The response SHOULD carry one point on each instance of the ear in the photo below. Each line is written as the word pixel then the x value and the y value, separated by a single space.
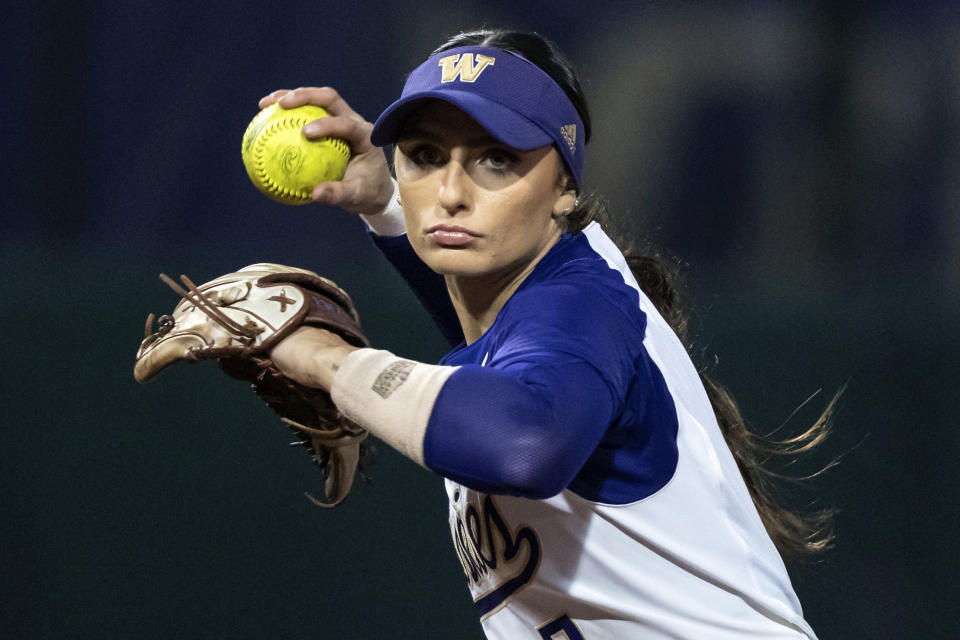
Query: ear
pixel 565 202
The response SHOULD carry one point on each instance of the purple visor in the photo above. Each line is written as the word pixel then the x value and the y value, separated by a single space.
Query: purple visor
pixel 512 98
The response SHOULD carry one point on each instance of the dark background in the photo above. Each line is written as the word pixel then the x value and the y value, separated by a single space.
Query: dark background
pixel 801 158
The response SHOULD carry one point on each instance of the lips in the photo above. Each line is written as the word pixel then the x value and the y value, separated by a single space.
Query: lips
pixel 447 235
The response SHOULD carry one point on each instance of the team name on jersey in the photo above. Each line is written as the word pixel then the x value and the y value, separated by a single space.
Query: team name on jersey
pixel 498 560
pixel 463 67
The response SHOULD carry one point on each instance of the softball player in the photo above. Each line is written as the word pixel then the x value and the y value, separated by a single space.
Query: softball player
pixel 592 492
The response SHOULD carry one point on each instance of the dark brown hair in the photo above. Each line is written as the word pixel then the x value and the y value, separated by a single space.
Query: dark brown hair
pixel 796 534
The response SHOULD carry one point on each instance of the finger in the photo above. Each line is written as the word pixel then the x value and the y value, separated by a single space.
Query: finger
pixel 344 193
pixel 354 132
pixel 352 194
pixel 332 193
pixel 326 97
pixel 272 97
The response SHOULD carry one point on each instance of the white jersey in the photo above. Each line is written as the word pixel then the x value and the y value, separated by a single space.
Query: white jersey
pixel 693 560
pixel 656 536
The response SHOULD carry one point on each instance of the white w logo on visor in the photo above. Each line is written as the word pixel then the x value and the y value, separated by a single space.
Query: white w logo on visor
pixel 463 67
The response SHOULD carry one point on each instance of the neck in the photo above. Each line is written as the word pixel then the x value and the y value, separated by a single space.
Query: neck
pixel 479 299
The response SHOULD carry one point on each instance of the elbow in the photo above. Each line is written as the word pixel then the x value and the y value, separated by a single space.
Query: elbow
pixel 535 467
pixel 524 445
pixel 539 488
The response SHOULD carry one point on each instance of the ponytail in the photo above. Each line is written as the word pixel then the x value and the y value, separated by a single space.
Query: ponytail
pixel 797 535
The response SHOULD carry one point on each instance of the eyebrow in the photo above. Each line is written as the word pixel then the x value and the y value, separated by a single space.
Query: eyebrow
pixel 417 132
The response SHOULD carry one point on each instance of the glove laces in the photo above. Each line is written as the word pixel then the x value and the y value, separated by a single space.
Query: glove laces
pixel 246 333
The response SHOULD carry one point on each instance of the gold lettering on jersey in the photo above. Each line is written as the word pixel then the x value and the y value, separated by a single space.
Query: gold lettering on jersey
pixel 569 133
pixel 491 553
pixel 462 66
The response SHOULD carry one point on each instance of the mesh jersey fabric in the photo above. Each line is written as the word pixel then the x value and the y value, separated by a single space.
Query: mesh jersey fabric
pixel 620 551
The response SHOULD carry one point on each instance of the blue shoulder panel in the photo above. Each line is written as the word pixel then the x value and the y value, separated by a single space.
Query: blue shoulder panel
pixel 566 395
pixel 638 454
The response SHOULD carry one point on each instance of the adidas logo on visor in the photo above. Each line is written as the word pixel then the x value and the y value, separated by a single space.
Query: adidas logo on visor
pixel 569 133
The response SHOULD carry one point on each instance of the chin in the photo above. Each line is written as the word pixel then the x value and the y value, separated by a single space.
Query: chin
pixel 454 267
pixel 456 262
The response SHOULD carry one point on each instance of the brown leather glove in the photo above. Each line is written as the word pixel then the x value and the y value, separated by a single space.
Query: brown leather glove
pixel 237 319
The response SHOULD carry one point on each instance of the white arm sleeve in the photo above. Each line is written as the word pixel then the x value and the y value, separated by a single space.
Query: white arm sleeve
pixel 388 222
pixel 390 397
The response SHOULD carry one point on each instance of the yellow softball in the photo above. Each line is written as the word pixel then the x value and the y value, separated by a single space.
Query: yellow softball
pixel 282 163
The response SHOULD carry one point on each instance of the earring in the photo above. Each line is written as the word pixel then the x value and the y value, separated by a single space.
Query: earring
pixel 399 203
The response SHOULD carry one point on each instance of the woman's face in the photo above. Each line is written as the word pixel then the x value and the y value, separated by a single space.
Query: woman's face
pixel 474 206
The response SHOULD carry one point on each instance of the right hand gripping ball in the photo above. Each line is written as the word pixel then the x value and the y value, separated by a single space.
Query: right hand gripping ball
pixel 285 165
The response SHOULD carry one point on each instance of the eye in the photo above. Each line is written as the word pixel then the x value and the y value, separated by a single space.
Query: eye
pixel 499 159
pixel 425 155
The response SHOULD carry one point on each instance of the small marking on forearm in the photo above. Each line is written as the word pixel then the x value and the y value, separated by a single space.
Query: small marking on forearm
pixel 392 377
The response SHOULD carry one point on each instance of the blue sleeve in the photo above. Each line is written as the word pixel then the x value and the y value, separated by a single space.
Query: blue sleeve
pixel 427 285
pixel 559 362
pixel 523 432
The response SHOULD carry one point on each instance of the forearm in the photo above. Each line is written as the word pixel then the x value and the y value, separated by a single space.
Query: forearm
pixel 428 286
pixel 388 232
pixel 311 356
pixel 389 396
pixel 488 429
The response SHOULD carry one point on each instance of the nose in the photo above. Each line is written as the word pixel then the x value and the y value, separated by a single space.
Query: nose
pixel 454 193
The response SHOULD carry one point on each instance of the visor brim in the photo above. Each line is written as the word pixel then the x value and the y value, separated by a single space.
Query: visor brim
pixel 501 122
